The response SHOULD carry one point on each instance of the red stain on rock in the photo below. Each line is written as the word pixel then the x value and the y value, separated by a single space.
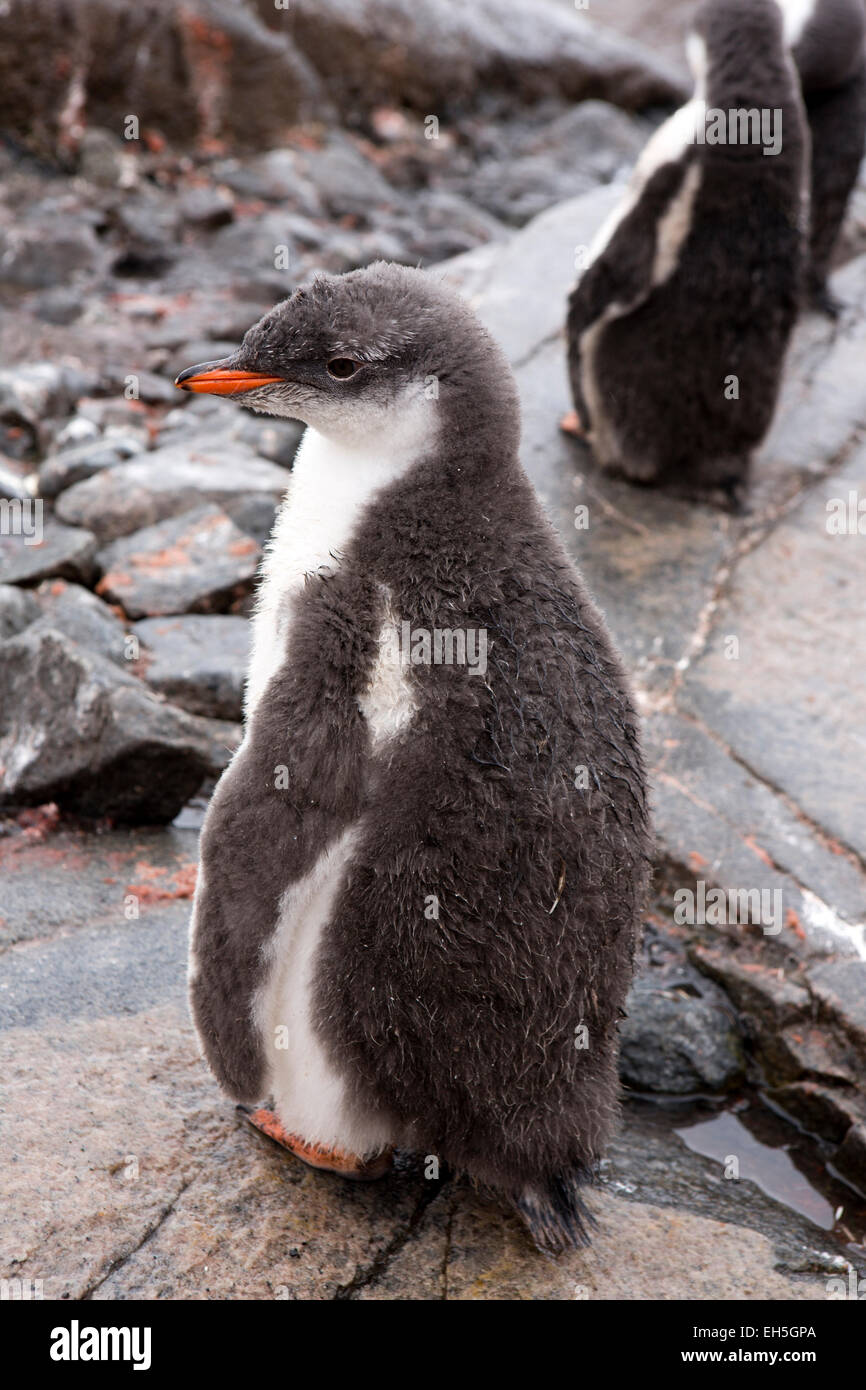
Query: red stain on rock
pixel 172 557
pixel 157 885
pixel 244 547
pixel 39 821
pixel 114 579
pixel 697 861
pixel 756 849
pixel 793 922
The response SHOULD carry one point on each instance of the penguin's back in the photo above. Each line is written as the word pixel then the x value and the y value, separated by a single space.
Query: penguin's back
pixel 693 300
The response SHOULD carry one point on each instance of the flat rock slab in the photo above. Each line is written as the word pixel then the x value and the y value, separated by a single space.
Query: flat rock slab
pixel 639 1251
pixel 167 482
pixel 44 547
pixel 150 1185
pixel 75 729
pixel 781 676
pixel 520 289
pixel 197 562
pixel 188 1203
pixel 197 662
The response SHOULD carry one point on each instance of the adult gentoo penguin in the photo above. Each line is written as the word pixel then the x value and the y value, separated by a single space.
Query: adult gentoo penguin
pixel 421 876
pixel 828 43
pixel 678 328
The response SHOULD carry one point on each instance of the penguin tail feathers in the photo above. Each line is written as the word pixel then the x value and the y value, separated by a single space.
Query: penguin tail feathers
pixel 555 1213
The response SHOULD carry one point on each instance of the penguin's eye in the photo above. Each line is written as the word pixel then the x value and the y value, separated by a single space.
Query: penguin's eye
pixel 341 368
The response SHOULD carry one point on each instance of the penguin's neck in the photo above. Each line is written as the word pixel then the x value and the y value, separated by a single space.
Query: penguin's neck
pixel 333 481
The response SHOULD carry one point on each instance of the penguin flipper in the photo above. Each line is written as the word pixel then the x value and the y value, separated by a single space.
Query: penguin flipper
pixel 620 277
pixel 246 862
pixel 622 272
pixel 837 121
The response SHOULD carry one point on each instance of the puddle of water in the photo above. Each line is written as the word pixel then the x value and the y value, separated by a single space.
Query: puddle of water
pixel 771 1169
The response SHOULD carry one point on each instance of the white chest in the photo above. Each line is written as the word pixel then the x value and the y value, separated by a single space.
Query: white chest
pixel 331 485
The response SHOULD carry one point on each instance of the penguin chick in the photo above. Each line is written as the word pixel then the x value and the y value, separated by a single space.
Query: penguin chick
pixel 422 874
pixel 678 328
pixel 828 44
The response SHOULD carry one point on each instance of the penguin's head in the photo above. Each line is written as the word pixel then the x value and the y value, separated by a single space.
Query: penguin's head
pixel 348 353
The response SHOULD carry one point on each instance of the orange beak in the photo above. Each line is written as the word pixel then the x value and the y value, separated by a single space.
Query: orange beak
pixel 222 381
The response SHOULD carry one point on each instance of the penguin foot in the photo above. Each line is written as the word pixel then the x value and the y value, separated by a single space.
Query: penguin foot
pixel 348 1165
pixel 572 424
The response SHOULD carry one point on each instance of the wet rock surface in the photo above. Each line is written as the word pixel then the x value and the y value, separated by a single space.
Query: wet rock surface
pixel 744 638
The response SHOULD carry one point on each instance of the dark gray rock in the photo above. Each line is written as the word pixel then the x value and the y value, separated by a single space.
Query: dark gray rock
pixel 589 144
pixel 278 176
pixel 196 662
pixel 82 618
pixel 680 1036
pixel 197 562
pixel 167 482
pixel 348 184
pixel 60 471
pixel 79 429
pixel 148 226
pixel 746 831
pixel 40 257
pixel 253 514
pixel 206 316
pixel 196 416
pixel 65 551
pixel 36 391
pixel 76 730
pixel 152 389
pixel 270 437
pixel 205 207
pixel 841 987
pixel 441 224
pixel 60 305
pixel 789 703
pixel 18 608
pixel 850 1157
pixel 252 246
pixel 443 55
